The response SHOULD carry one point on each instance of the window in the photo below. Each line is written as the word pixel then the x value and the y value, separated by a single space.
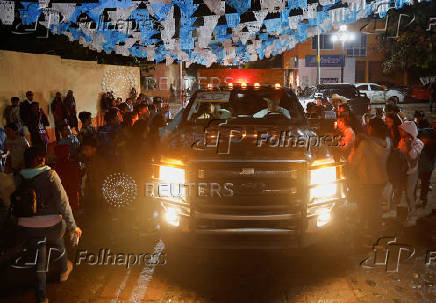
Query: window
pixel 362 87
pixel 357 47
pixel 376 87
pixel 326 42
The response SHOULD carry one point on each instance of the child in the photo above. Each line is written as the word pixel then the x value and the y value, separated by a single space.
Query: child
pixel 87 128
pixel 69 172
pixel 15 145
pixel 69 138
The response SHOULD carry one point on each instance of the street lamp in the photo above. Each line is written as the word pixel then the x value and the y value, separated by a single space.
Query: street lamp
pixel 342 35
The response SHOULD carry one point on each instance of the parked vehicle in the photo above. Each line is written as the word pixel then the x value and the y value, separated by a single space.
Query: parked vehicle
pixel 419 93
pixel 379 94
pixel 358 101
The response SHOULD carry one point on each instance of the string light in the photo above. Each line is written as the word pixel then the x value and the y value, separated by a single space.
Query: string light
pixel 119 189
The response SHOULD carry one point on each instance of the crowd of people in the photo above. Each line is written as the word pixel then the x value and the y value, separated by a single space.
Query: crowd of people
pixel 390 158
pixel 71 159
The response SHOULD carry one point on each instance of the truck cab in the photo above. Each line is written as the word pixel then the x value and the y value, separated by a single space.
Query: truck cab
pixel 241 169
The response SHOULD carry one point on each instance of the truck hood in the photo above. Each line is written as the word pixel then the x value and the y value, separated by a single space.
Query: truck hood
pixel 253 141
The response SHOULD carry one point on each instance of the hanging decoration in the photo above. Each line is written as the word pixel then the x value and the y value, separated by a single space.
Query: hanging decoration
pixel 227 32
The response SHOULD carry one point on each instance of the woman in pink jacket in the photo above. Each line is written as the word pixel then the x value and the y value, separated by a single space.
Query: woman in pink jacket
pixel 411 146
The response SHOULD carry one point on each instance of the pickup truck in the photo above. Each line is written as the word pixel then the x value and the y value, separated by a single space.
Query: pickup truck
pixel 237 171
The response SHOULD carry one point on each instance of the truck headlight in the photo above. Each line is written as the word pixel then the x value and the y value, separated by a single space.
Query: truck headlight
pixel 171 174
pixel 171 182
pixel 321 179
pixel 323 217
pixel 172 216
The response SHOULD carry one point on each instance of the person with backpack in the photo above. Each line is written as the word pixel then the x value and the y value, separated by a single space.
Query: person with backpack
pixel 368 167
pixel 41 205
pixel 411 147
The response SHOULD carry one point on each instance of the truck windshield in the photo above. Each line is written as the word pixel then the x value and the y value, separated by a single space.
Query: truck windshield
pixel 252 104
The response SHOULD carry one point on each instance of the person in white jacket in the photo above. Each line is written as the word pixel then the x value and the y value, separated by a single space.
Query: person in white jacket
pixel 411 146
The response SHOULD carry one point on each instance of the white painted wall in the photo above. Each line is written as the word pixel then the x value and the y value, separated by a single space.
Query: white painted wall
pixel 307 75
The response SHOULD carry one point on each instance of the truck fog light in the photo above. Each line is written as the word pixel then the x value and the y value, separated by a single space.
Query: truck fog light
pixel 172 217
pixel 324 216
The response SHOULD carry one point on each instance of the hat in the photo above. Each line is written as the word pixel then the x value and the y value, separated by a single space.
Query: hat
pixel 410 128
pixel 157 100
pixel 340 98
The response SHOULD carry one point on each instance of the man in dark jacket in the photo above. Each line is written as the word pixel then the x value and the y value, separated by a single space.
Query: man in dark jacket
pixel 53 216
pixel 59 114
pixel 70 106
pixel 26 109
pixel 37 126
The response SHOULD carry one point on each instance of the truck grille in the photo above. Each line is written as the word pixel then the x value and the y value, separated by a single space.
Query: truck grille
pixel 268 197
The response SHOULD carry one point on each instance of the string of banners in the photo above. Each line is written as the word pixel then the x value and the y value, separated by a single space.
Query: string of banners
pixel 227 32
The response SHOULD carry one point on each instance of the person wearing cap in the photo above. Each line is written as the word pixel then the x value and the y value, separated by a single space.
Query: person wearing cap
pixel 411 146
pixel 337 100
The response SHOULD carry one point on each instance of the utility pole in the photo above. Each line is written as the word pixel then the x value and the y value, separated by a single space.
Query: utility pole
pixel 318 60
pixel 343 61
pixel 343 36
pixel 181 81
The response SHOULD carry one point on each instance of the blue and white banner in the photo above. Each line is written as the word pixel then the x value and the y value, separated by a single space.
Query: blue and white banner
pixel 175 30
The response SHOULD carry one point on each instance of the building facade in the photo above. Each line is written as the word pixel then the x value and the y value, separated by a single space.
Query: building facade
pixel 361 57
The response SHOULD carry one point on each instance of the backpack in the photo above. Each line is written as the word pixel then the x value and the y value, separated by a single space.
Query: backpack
pixel 24 199
pixel 397 167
